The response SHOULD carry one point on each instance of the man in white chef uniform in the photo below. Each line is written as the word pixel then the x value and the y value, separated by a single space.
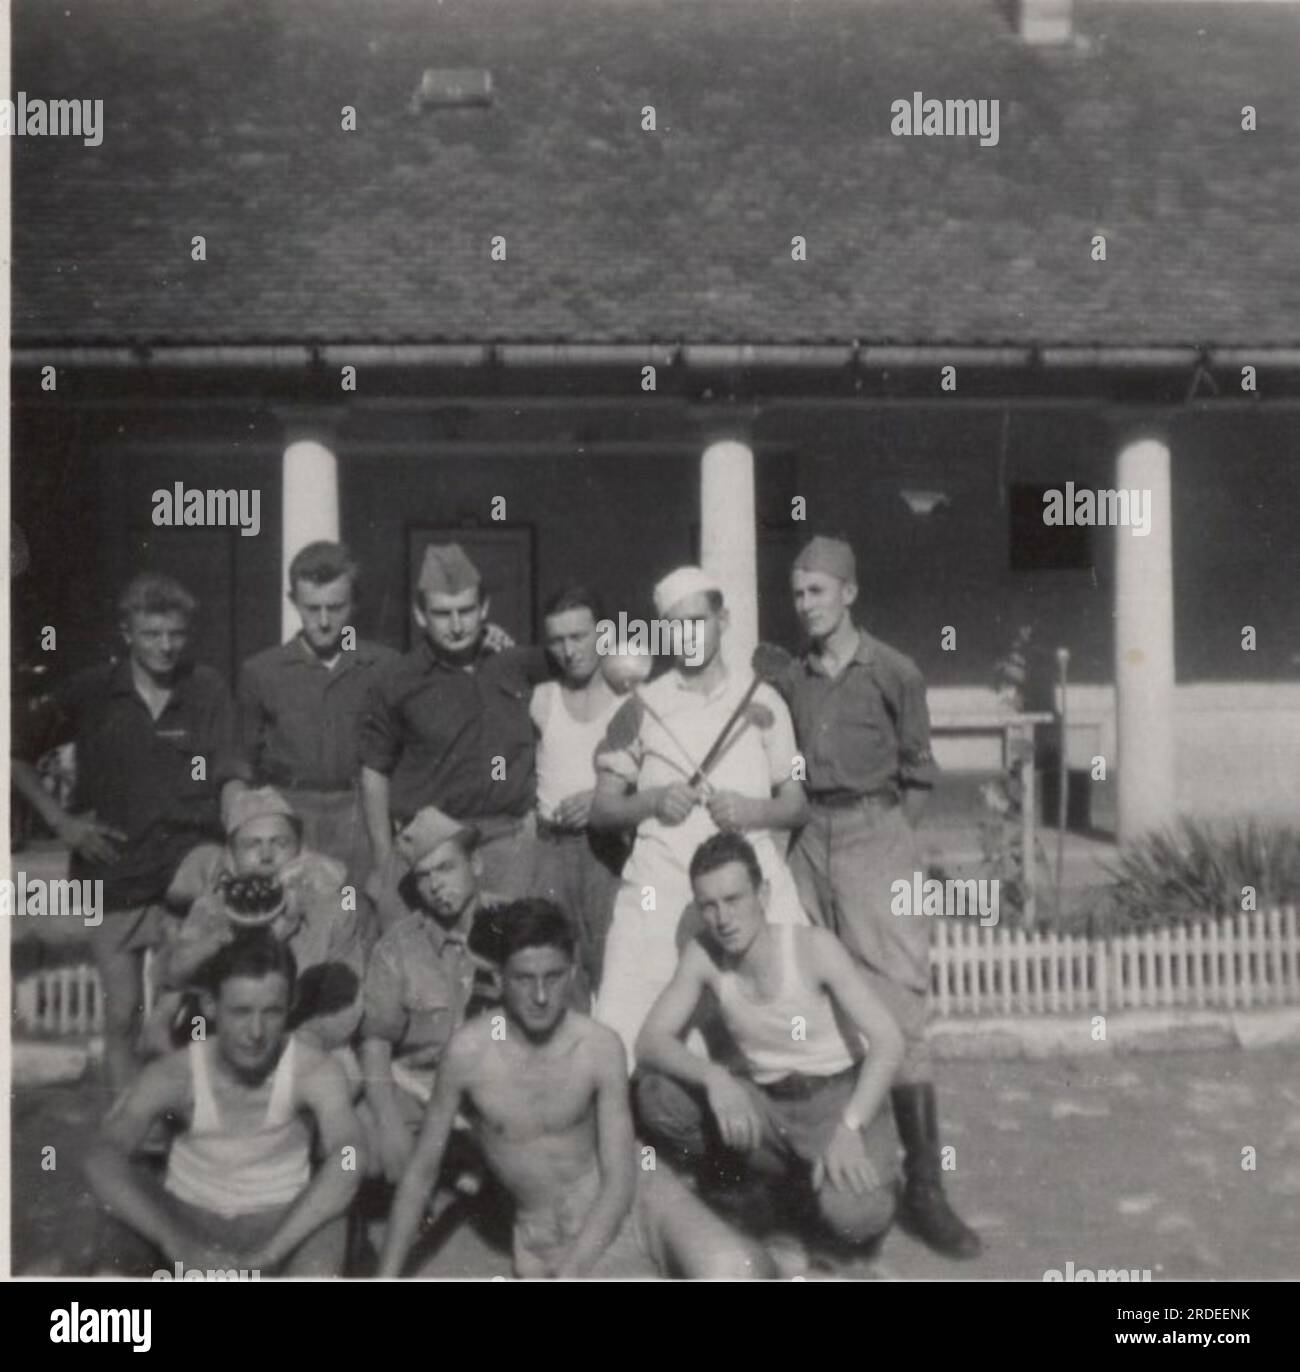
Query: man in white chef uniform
pixel 644 770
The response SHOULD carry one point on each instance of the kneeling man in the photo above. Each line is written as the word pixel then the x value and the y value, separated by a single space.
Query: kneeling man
pixel 545 1089
pixel 810 1103
pixel 240 1190
pixel 428 973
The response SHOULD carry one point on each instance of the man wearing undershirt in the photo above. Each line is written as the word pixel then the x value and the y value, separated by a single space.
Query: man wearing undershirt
pixel 808 1110
pixel 250 1183
pixel 577 866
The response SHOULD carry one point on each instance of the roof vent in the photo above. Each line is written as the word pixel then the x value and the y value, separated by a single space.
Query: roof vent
pixel 441 86
pixel 1043 23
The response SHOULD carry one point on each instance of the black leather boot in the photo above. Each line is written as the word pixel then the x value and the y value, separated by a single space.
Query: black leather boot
pixel 924 1211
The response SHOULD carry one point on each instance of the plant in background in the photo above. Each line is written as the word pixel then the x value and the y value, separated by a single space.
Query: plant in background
pixel 1195 868
pixel 1000 826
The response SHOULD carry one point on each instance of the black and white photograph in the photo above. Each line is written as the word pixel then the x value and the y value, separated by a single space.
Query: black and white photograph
pixel 655 640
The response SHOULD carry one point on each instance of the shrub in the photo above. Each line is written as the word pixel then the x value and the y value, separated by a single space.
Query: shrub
pixel 1196 868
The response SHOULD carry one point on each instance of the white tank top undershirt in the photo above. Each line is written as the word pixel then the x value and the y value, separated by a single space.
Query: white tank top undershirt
pixel 566 747
pixel 795 1031
pixel 240 1174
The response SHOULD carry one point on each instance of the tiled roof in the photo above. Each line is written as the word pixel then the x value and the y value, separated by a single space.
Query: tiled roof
pixel 222 118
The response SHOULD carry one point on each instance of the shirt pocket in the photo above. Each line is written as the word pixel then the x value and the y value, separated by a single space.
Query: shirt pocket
pixel 177 739
pixel 427 990
pixel 512 722
pixel 857 742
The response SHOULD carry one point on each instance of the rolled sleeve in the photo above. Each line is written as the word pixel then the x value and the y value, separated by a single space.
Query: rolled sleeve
pixel 250 720
pixel 227 765
pixel 379 742
pixel 621 751
pixel 916 764
pixel 196 874
pixel 778 737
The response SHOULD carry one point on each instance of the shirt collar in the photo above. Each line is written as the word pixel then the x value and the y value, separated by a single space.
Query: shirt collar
pixel 431 662
pixel 122 682
pixel 440 937
pixel 864 654
pixel 298 652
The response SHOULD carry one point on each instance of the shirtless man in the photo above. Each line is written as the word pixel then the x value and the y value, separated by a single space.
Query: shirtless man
pixel 548 1104
pixel 239 1190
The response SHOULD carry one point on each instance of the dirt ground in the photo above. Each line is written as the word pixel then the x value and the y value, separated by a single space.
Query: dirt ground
pixel 1187 1164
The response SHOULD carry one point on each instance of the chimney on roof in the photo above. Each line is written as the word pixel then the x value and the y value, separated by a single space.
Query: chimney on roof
pixel 441 86
pixel 1043 23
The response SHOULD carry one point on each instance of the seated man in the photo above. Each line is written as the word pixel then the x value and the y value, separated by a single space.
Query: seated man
pixel 265 878
pixel 807 1107
pixel 547 1096
pixel 426 974
pixel 239 1191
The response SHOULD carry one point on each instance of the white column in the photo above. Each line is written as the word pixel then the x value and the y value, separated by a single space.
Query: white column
pixel 1144 647
pixel 728 541
pixel 309 509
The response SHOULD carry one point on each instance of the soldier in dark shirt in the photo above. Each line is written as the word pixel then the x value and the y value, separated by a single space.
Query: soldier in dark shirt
pixel 448 725
pixel 301 703
pixel 863 729
pixel 154 738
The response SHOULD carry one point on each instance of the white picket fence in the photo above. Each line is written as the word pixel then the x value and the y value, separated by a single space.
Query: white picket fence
pixel 67 1002
pixel 1233 962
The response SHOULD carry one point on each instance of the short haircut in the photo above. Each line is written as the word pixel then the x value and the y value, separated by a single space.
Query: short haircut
pixel 322 562
pixel 254 953
pixel 722 848
pixel 574 597
pixel 151 593
pixel 532 922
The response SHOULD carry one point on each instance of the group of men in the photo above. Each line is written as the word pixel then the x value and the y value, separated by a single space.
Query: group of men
pixel 442 903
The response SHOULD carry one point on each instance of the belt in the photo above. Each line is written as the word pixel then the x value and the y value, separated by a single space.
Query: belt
pixel 886 797
pixel 547 828
pixel 798 1086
